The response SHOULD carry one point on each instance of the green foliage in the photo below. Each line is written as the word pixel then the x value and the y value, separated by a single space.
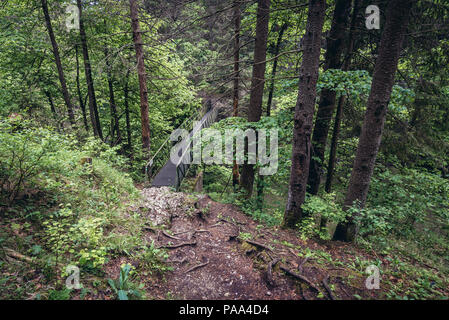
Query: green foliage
pixel 124 287
pixel 401 202
pixel 83 198
pixel 153 259
pixel 63 294
pixel 324 207
pixel 21 157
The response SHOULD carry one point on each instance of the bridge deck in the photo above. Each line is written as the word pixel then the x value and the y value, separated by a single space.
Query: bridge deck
pixel 167 175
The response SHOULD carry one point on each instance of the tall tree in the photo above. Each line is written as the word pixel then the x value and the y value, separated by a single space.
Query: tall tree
pixel 381 88
pixel 304 110
pixel 65 91
pixel 275 64
pixel 341 100
pixel 335 45
pixel 78 90
pixel 127 118
pixel 237 20
pixel 93 109
pixel 115 127
pixel 257 83
pixel 138 45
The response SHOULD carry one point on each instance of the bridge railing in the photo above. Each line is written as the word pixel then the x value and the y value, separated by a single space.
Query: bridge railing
pixel 158 160
pixel 183 166
pixel 162 155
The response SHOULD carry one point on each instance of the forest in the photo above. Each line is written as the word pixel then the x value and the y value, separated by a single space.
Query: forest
pixel 224 150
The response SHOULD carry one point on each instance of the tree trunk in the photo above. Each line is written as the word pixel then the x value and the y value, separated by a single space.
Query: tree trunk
pixel 78 89
pixel 53 109
pixel 304 110
pixel 115 127
pixel 237 18
pixel 93 109
pixel 334 142
pixel 144 109
pixel 335 44
pixel 65 92
pixel 275 64
pixel 381 88
pixel 257 83
pixel 128 122
pixel 341 101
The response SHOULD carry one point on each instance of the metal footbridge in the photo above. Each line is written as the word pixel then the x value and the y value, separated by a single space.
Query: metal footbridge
pixel 160 170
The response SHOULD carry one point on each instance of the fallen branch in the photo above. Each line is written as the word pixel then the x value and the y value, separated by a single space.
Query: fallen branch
pixel 179 245
pixel 197 266
pixel 13 254
pixel 270 267
pixel 328 289
pixel 300 277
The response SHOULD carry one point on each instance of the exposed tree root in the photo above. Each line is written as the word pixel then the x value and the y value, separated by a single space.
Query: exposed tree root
pixel 179 245
pixel 270 267
pixel 260 245
pixel 300 277
pixel 170 236
pixel 328 289
pixel 197 266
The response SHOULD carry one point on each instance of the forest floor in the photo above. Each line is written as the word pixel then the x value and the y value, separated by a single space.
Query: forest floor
pixel 212 250
pixel 218 252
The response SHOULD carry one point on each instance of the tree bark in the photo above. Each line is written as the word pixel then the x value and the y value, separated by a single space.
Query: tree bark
pixel 128 122
pixel 53 109
pixel 381 88
pixel 304 110
pixel 275 64
pixel 144 109
pixel 93 109
pixel 65 92
pixel 341 101
pixel 237 19
pixel 334 143
pixel 257 83
pixel 115 127
pixel 78 89
pixel 335 44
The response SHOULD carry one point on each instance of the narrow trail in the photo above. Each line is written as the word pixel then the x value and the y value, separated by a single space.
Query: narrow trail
pixel 218 252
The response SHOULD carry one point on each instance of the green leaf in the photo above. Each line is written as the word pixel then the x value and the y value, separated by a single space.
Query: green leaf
pixel 122 295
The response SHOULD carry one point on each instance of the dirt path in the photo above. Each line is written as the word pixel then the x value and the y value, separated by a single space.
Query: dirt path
pixel 217 252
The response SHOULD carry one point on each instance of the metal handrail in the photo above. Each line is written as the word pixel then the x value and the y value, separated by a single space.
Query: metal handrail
pixel 151 161
pixel 181 167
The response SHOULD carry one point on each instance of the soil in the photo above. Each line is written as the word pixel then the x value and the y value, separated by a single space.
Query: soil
pixel 218 252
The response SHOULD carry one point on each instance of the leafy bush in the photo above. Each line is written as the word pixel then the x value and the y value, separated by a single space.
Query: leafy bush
pixel 22 156
pixel 324 207
pixel 84 191
pixel 153 259
pixel 401 202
